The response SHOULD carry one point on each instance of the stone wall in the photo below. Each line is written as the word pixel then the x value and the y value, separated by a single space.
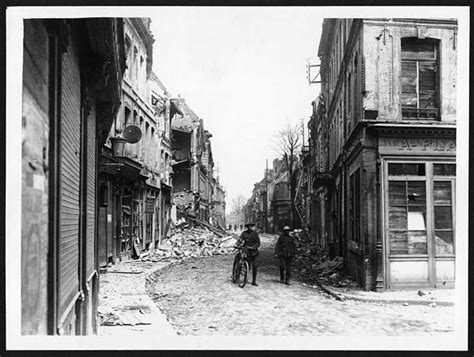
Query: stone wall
pixel 34 198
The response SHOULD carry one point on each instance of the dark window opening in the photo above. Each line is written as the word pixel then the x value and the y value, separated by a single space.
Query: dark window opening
pixel 444 169
pixel 406 169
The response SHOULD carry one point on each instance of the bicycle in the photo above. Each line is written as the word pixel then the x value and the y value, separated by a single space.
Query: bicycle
pixel 241 267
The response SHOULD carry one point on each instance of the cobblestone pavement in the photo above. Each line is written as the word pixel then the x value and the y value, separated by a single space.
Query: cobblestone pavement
pixel 199 299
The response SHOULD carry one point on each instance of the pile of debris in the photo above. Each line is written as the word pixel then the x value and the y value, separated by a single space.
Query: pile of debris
pixel 130 316
pixel 312 265
pixel 191 242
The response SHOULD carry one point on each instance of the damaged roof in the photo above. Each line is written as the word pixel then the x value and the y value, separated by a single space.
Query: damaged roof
pixel 187 121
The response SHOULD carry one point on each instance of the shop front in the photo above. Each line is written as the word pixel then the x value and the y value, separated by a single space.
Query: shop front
pixel 418 180
pixel 120 223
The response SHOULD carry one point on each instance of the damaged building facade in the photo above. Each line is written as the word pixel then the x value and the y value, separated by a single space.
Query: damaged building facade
pixel 72 72
pixel 384 149
pixel 196 191
pixel 135 177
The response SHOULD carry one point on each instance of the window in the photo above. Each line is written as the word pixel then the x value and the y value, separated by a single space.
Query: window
pixel 443 207
pixel 127 115
pixel 419 78
pixel 355 206
pixel 417 191
pixel 128 56
pixel 407 217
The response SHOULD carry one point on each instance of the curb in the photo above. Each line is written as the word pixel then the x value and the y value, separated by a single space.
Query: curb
pixel 391 301
pixel 159 323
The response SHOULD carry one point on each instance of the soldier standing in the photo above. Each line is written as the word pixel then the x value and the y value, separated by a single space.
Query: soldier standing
pixel 251 240
pixel 285 250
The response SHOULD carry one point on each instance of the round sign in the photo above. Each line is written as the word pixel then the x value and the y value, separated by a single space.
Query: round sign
pixel 132 134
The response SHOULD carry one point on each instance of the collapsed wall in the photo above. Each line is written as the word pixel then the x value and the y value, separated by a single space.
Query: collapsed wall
pixel 185 203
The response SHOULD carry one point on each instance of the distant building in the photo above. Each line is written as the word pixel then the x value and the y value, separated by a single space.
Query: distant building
pixel 269 206
pixel 193 163
pixel 218 204
pixel 383 134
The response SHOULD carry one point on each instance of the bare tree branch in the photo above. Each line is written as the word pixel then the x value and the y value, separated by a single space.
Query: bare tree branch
pixel 288 143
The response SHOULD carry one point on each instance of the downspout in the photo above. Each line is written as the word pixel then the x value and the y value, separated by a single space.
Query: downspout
pixel 343 209
pixel 379 282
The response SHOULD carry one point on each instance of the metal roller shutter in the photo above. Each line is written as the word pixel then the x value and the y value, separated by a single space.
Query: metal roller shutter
pixel 69 180
pixel 91 193
pixel 102 236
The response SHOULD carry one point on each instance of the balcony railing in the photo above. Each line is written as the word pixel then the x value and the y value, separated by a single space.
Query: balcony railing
pixel 420 113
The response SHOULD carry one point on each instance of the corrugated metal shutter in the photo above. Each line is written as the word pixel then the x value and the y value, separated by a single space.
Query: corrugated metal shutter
pixel 91 192
pixel 102 236
pixel 69 180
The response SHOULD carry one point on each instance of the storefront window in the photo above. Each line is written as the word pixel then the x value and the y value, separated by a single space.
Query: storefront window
pixel 407 217
pixel 444 169
pixel 407 208
pixel 406 169
pixel 443 217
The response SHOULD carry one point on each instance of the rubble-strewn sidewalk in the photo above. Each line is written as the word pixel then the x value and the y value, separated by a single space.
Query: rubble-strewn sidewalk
pixel 124 306
pixel 315 269
pixel 430 297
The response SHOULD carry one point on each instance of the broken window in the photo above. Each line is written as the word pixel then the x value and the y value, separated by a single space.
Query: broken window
pixel 407 210
pixel 443 217
pixel 419 78
pixel 408 189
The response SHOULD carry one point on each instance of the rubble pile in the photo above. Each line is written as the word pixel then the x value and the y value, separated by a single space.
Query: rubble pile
pixel 313 265
pixel 112 317
pixel 191 242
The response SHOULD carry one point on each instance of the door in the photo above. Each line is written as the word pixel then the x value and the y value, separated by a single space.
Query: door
pixel 443 227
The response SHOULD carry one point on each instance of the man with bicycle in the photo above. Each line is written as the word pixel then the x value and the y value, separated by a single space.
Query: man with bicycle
pixel 250 239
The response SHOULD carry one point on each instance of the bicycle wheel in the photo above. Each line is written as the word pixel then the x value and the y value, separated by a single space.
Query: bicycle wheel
pixel 235 271
pixel 243 270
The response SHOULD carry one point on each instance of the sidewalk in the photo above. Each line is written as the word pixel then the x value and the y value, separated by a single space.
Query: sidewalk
pixel 432 297
pixel 125 308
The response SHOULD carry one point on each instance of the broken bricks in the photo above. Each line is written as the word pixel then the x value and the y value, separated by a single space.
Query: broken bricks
pixel 191 242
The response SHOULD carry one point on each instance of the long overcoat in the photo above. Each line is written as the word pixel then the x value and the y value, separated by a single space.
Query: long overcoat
pixel 286 246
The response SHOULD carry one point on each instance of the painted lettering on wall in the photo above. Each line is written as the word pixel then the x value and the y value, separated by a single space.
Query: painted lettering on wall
pixel 416 144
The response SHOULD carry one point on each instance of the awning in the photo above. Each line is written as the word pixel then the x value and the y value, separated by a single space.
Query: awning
pixel 122 167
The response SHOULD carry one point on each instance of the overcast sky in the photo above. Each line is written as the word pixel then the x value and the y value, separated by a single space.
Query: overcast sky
pixel 243 70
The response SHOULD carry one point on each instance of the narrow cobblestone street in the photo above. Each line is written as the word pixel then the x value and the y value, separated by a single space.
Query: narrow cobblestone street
pixel 199 298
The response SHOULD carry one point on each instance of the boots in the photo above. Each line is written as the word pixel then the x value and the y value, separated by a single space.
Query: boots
pixel 282 275
pixel 254 276
pixel 287 280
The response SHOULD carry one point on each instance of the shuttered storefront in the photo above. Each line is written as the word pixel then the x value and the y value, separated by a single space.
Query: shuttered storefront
pixel 91 193
pixel 69 178
pixel 102 239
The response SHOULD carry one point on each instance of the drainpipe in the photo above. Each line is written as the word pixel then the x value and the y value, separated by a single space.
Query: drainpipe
pixel 379 282
pixel 343 210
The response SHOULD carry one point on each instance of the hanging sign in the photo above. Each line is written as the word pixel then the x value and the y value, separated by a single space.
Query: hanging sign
pixel 132 134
